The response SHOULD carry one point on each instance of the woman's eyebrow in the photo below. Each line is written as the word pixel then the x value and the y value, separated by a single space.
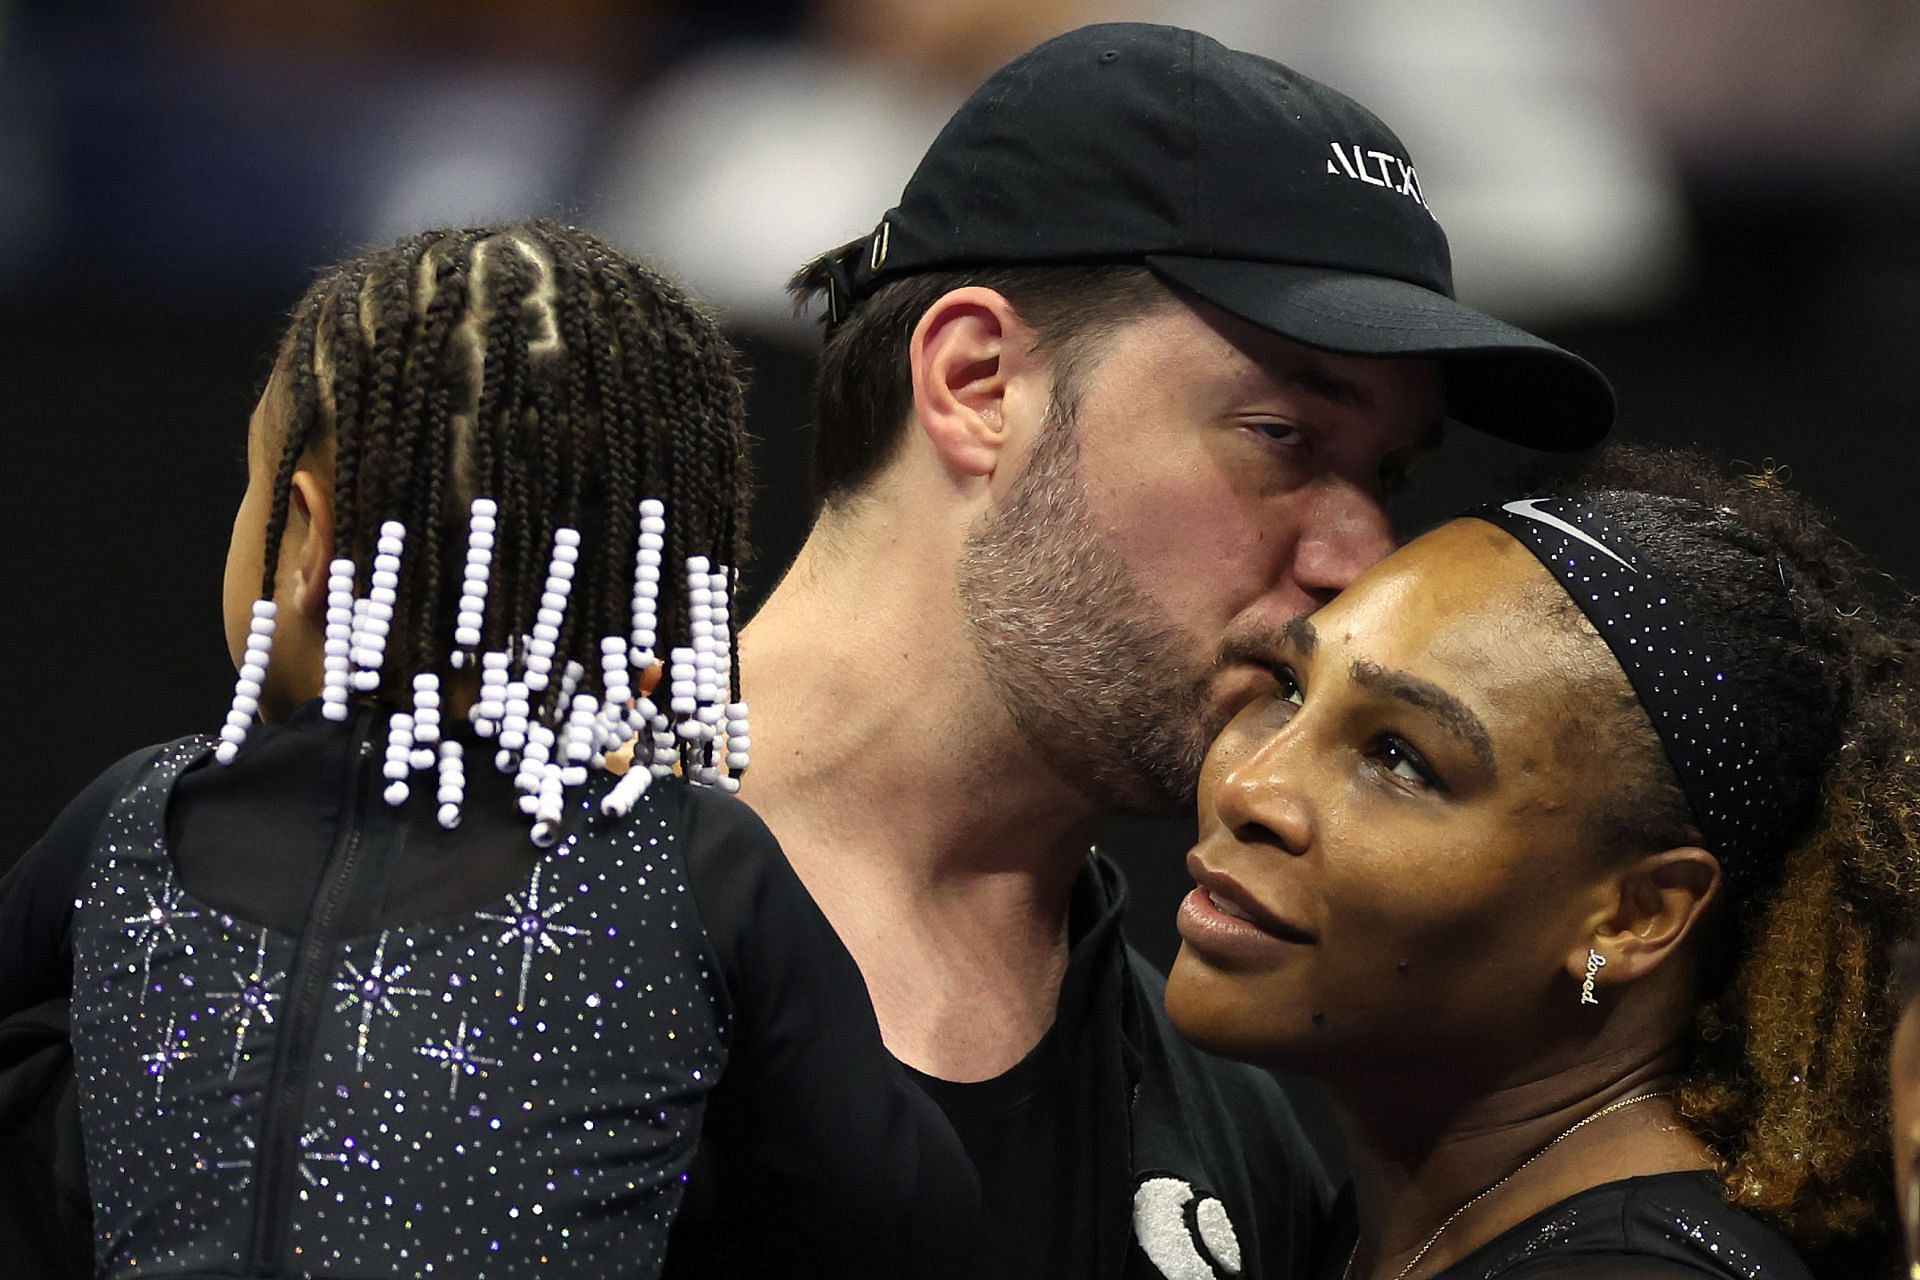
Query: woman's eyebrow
pixel 1448 711
pixel 1299 635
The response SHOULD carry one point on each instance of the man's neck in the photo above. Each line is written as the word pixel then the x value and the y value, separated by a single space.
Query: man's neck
pixel 1418 1156
pixel 940 846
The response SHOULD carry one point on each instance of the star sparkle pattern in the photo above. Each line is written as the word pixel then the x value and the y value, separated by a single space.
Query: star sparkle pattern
pixel 157 924
pixel 347 1156
pixel 252 997
pixel 172 1051
pixel 459 1058
pixel 247 1143
pixel 532 924
pixel 373 989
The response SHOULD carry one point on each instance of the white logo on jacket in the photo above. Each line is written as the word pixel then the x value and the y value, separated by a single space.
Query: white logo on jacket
pixel 1197 1246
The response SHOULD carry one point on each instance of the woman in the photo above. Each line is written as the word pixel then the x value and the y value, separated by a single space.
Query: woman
pixel 1566 850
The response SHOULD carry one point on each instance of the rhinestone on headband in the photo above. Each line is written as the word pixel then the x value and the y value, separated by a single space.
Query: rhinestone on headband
pixel 1693 703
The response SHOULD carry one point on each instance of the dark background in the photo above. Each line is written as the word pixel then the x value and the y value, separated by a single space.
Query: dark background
pixel 171 175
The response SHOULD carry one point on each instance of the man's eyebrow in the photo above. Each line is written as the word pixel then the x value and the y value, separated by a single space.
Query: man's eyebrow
pixel 1447 711
pixel 1319 379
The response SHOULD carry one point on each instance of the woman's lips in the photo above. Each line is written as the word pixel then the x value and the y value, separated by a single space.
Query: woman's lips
pixel 1220 918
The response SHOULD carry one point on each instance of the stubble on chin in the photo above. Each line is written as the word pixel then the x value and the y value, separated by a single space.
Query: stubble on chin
pixel 1098 680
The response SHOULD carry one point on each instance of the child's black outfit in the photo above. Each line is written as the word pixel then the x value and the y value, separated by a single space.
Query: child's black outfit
pixel 318 1035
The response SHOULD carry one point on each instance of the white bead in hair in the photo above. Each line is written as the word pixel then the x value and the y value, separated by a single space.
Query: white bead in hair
pixel 739 743
pixel 713 709
pixel 682 682
pixel 380 600
pixel 491 706
pixel 665 754
pixel 646 579
pixel 549 808
pixel 553 607
pixel 399 759
pixel 577 749
pixel 357 638
pixel 426 718
pixel 533 763
pixel 452 789
pixel 514 726
pixel 570 677
pixel 615 680
pixel 337 664
pixel 473 586
pixel 619 801
pixel 250 681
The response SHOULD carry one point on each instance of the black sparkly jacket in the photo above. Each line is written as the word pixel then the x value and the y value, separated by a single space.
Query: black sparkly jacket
pixel 316 1035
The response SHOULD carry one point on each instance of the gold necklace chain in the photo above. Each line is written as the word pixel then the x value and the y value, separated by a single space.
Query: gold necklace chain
pixel 1434 1239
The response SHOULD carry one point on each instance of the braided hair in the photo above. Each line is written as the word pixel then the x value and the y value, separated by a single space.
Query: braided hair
pixel 534 365
pixel 1787 1077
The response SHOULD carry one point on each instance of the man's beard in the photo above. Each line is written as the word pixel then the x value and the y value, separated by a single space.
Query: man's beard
pixel 1102 685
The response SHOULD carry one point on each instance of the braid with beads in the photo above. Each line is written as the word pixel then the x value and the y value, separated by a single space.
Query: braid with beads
pixel 533 365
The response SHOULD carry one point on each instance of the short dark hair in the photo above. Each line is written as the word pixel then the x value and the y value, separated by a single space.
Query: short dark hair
pixel 865 386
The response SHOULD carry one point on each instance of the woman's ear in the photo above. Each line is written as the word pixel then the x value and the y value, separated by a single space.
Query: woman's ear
pixel 1658 901
pixel 966 353
pixel 307 547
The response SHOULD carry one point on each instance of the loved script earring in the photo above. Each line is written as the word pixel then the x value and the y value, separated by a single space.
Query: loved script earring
pixel 1595 963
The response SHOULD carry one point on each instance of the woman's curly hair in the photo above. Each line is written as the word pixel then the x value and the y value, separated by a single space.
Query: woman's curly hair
pixel 1787 1078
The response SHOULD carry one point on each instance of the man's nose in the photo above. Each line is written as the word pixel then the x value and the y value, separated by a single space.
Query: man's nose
pixel 1343 532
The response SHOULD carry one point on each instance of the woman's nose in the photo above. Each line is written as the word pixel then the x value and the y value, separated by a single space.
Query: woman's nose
pixel 1261 797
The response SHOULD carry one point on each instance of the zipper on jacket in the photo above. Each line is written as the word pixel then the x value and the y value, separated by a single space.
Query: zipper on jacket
pixel 277 1164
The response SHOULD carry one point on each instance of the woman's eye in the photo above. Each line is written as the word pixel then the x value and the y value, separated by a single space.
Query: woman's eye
pixel 1403 762
pixel 1289 688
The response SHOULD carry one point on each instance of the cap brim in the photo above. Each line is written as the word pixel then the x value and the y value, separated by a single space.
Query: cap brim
pixel 1500 379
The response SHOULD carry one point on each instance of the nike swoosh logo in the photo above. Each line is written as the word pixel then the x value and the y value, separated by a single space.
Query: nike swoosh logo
pixel 1529 507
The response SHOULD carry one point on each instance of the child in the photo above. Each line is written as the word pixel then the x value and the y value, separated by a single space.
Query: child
pixel 405 980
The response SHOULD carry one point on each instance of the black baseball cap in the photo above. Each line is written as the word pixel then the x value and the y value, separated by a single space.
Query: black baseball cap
pixel 1235 179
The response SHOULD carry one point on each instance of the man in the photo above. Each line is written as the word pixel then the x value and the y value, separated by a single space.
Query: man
pixel 1115 391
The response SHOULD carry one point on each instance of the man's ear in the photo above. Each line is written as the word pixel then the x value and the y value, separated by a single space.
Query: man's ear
pixel 968 355
pixel 307 546
pixel 1657 902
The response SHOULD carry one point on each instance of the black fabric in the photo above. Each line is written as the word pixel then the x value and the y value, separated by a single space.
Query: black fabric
pixel 1128 1129
pixel 1031 1130
pixel 844 1161
pixel 253 837
pixel 1020 1130
pixel 1237 178
pixel 1671 1226
pixel 829 1160
pixel 44 1215
pixel 1110 1121
pixel 36 894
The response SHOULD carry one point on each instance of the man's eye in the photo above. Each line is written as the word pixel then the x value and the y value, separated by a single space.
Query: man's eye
pixel 1279 432
pixel 1289 689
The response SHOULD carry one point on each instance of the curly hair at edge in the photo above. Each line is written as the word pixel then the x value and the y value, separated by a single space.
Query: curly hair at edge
pixel 1787 1078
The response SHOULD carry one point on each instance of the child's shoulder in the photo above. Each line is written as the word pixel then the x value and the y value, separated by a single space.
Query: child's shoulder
pixel 77 823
